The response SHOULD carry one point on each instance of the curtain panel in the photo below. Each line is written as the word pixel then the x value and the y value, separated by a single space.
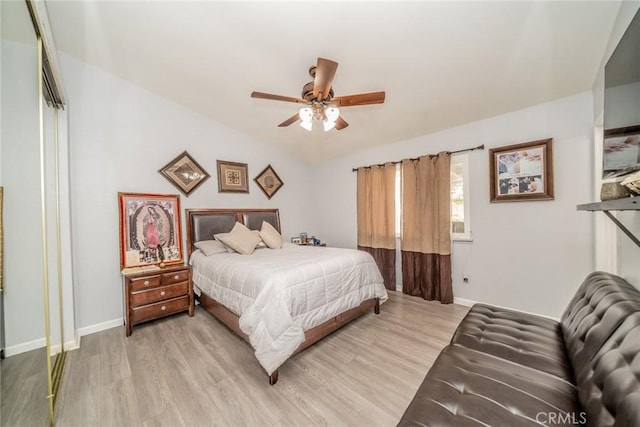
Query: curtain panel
pixel 426 219
pixel 376 218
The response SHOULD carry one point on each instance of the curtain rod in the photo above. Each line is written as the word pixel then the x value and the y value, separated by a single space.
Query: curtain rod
pixel 479 147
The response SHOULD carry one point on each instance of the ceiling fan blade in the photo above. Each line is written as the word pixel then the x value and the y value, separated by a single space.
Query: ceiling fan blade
pixel 359 99
pixel 290 120
pixel 325 72
pixel 341 123
pixel 262 95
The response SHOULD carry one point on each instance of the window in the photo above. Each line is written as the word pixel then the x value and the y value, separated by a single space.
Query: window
pixel 460 218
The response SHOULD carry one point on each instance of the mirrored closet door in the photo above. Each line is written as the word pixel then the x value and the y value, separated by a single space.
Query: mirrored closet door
pixel 33 341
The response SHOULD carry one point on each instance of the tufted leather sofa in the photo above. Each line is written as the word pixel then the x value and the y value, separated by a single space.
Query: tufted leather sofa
pixel 507 368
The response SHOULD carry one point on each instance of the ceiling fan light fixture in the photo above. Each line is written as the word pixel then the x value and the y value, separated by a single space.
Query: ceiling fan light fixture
pixel 332 114
pixel 306 114
pixel 306 117
pixel 328 125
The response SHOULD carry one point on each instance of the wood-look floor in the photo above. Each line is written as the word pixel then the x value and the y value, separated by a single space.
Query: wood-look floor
pixel 24 390
pixel 183 371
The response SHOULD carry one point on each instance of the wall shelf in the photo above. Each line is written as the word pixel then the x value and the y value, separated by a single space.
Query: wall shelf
pixel 626 204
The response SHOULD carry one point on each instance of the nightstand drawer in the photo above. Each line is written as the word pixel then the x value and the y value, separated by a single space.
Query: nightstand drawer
pixel 146 282
pixel 159 294
pixel 178 276
pixel 160 309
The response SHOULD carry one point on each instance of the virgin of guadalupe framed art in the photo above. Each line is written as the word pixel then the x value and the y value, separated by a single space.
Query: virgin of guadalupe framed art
pixel 150 229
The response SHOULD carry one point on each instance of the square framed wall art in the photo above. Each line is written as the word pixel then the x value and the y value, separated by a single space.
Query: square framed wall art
pixel 232 177
pixel 521 172
pixel 184 173
pixel 269 181
pixel 150 229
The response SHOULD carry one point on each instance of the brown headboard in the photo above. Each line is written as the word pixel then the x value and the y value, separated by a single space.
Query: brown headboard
pixel 202 224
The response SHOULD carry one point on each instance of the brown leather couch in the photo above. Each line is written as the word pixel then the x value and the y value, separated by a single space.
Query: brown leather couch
pixel 506 368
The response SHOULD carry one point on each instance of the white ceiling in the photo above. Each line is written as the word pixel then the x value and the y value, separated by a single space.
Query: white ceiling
pixel 441 63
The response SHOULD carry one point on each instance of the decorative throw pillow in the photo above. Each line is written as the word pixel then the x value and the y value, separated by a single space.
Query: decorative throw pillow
pixel 211 247
pixel 241 239
pixel 219 237
pixel 270 236
pixel 260 244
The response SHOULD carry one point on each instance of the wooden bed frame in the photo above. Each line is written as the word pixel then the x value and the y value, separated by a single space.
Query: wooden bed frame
pixel 202 224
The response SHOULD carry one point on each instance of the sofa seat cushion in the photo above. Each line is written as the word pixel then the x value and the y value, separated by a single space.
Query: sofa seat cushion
pixel 528 340
pixel 467 387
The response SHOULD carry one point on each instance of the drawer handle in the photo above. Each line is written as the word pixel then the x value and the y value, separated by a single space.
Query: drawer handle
pixel 163 308
pixel 162 293
pixel 176 277
pixel 146 283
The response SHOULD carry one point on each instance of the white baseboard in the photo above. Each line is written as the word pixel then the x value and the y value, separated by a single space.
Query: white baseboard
pixel 99 327
pixel 464 301
pixel 24 347
pixel 470 302
pixel 39 343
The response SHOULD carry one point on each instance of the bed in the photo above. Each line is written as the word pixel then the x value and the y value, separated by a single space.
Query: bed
pixel 280 301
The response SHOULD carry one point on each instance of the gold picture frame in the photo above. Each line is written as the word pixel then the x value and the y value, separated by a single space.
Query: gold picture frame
pixel 269 181
pixel 521 172
pixel 232 177
pixel 184 173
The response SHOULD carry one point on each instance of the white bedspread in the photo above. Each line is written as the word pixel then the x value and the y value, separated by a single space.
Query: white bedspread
pixel 280 293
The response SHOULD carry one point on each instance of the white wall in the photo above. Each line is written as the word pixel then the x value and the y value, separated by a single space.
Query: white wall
pixel 120 136
pixel 609 239
pixel 23 302
pixel 529 256
pixel 20 155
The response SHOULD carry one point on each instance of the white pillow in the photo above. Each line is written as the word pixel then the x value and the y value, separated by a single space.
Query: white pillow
pixel 241 239
pixel 270 236
pixel 211 247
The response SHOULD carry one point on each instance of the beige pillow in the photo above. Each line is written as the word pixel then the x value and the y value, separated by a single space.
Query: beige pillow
pixel 240 239
pixel 219 237
pixel 270 236
pixel 211 247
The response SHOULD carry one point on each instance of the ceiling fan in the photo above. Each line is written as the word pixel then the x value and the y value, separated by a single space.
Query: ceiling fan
pixel 320 104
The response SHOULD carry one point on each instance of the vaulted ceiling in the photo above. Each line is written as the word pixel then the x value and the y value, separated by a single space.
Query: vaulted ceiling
pixel 441 63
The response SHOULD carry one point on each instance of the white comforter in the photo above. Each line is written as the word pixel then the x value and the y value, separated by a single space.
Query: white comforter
pixel 280 293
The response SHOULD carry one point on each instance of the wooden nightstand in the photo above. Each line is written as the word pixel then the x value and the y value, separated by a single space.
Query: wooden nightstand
pixel 153 294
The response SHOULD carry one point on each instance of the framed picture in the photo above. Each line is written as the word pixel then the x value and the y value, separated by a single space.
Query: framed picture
pixel 521 172
pixel 150 230
pixel 184 173
pixel 232 177
pixel 621 152
pixel 269 181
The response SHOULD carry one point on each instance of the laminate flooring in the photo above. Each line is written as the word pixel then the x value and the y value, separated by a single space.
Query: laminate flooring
pixel 182 371
pixel 24 390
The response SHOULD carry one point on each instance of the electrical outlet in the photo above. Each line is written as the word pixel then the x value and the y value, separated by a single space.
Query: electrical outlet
pixel 465 278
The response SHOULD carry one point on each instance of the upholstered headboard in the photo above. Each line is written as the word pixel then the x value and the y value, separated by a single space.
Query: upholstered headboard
pixel 202 224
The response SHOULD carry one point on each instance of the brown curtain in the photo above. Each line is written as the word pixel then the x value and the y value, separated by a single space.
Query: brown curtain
pixel 376 218
pixel 426 219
